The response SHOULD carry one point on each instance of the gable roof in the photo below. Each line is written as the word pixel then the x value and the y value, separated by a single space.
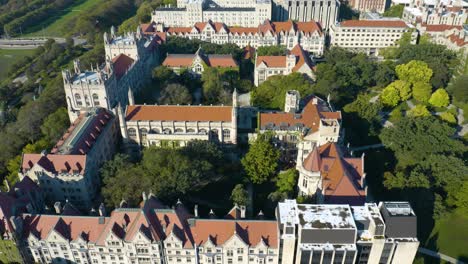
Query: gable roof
pixel 178 113
pixel 341 176
pixel 250 231
pixel 272 61
pixel 121 64
pixel 55 163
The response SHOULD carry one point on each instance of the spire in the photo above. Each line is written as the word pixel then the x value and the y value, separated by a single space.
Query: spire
pixel 139 33
pixel 106 38
pixel 234 98
pixel 77 66
pixel 113 32
pixel 131 98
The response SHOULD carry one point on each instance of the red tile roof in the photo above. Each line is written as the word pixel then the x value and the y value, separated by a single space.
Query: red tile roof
pixel 341 176
pixel 55 163
pixel 220 231
pixel 70 227
pixel 272 61
pixel 186 60
pixel 88 135
pixel 310 117
pixel 440 28
pixel 460 42
pixel 374 23
pixel 179 113
pixel 122 64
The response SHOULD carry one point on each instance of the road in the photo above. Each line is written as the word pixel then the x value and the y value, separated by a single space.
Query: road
pixel 31 43
pixel 439 255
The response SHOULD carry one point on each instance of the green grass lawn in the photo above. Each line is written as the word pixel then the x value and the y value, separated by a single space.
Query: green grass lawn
pixel 450 236
pixel 8 57
pixel 9 252
pixel 55 26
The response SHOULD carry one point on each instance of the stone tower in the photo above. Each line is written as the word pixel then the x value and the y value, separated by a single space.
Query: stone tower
pixel 291 104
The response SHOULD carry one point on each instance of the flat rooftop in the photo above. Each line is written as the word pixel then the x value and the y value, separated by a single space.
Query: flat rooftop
pixel 325 216
pixel 399 209
pixel 122 40
pixel 85 77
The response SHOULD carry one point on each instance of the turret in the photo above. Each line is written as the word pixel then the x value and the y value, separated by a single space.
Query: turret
pixel 234 117
pixel 291 104
pixel 77 66
pixel 113 32
pixel 139 33
pixel 106 38
pixel 122 124
pixel 131 98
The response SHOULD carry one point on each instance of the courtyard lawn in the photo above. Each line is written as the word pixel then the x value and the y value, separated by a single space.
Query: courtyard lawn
pixel 8 57
pixel 55 26
pixel 9 252
pixel 450 236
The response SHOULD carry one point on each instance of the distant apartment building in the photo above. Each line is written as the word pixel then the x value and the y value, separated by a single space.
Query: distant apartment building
pixel 347 234
pixel 129 61
pixel 368 5
pixel 324 12
pixel 289 34
pixel 70 170
pixel 441 15
pixel 370 36
pixel 453 37
pixel 233 13
pixel 196 63
pixel 152 233
pixel 311 120
pixel 331 177
pixel 297 60
pixel 176 125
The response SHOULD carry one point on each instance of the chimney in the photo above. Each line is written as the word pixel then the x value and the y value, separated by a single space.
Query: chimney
pixel 123 203
pixel 195 211
pixel 212 214
pixel 242 210
pixel 102 210
pixel 58 208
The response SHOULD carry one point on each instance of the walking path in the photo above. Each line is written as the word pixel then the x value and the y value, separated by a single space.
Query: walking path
pixel 439 255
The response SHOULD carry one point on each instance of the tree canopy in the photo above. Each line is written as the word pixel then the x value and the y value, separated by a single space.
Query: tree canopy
pixel 394 11
pixel 419 111
pixel 422 91
pixel 240 195
pixel 274 50
pixel 414 71
pixel 175 93
pixel 390 96
pixel 440 98
pixel 261 162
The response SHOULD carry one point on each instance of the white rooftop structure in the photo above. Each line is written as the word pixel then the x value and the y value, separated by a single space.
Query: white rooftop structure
pixel 399 209
pixel 86 77
pixel 325 216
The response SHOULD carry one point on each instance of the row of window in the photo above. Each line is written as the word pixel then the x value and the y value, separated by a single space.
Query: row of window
pixel 79 101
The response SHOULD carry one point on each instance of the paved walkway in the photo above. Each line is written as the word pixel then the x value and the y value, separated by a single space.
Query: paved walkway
pixel 438 255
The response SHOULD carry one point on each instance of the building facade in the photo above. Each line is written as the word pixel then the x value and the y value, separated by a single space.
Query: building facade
pixel 129 61
pixel 289 34
pixel 297 60
pixel 70 171
pixel 324 12
pixel 370 36
pixel 384 233
pixel 196 63
pixel 176 125
pixel 368 5
pixel 330 176
pixel 232 13
pixel 441 15
pixel 152 233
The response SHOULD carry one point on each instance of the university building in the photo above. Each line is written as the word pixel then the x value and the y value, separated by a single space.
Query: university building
pixel 129 61
pixel 324 12
pixel 368 5
pixel 246 13
pixel 326 233
pixel 308 34
pixel 330 176
pixel 298 60
pixel 370 36
pixel 70 171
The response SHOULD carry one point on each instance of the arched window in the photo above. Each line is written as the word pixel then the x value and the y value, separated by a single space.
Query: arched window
pixel 190 130
pixel 167 131
pixel 202 131
pixel 96 100
pixel 143 134
pixel 132 134
pixel 198 68
pixel 178 131
pixel 78 100
pixel 87 100
pixel 154 131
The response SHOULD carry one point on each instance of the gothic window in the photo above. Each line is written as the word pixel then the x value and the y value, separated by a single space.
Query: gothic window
pixel 226 134
pixel 78 100
pixel 198 68
pixel 87 100
pixel 203 131
pixel 179 130
pixel 132 133
pixel 167 131
pixel 190 130
pixel 96 100
pixel 143 133
pixel 154 131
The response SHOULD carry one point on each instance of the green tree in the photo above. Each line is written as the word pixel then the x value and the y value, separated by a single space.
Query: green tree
pixel 409 138
pixel 404 89
pixel 239 195
pixel 394 11
pixel 419 111
pixel 462 198
pixel 272 50
pixel 55 125
pixel 458 89
pixel 271 93
pixel 385 73
pixel 448 117
pixel 163 74
pixel 390 96
pixel 440 98
pixel 414 71
pixel 287 181
pixel 261 161
pixel 174 94
pixel 422 91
